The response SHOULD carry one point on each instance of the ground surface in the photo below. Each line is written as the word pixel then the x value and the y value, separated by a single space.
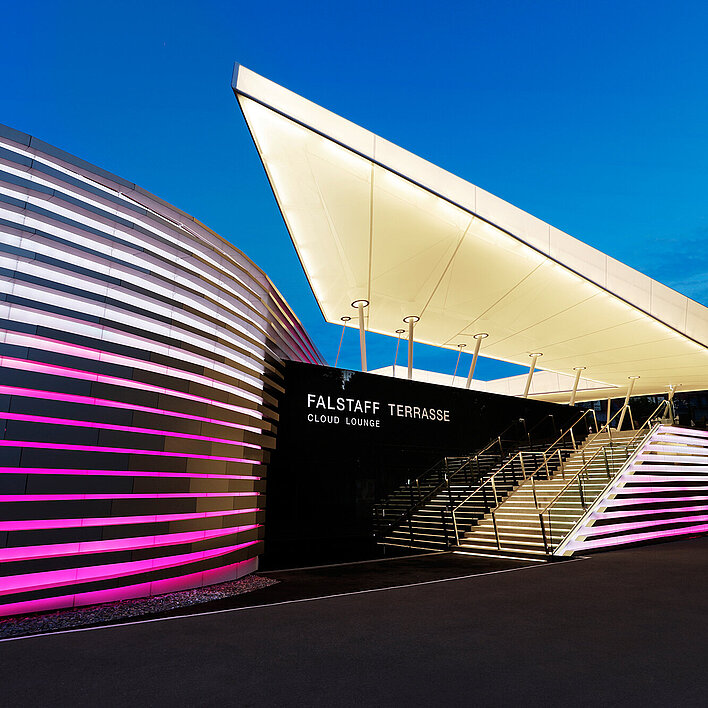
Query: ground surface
pixel 626 628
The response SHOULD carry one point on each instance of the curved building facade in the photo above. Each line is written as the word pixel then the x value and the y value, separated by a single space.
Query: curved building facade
pixel 141 361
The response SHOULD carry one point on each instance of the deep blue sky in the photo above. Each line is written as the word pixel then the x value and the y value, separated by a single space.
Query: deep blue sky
pixel 590 115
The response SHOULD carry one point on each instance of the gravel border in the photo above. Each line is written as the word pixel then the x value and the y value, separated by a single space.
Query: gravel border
pixel 109 612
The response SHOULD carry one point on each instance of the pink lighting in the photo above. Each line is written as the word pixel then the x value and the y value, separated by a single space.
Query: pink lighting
pixel 87 400
pixel 121 450
pixel 119 544
pixel 26 365
pixel 149 339
pixel 56 578
pixel 633 538
pixel 41 524
pixel 122 473
pixel 76 350
pixel 157 587
pixel 95 497
pixel 123 428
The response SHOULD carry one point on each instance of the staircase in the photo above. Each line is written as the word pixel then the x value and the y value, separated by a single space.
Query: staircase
pixel 409 496
pixel 420 513
pixel 428 525
pixel 581 493
pixel 514 527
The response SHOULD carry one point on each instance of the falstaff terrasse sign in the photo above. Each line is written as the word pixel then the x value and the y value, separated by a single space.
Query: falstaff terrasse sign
pixel 341 410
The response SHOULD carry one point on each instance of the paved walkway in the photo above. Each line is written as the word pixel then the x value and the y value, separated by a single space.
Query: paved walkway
pixel 626 628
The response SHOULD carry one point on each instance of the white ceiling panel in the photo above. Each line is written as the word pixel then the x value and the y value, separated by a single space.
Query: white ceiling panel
pixel 372 221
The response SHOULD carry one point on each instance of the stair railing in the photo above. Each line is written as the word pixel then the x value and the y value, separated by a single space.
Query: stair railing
pixel 441 469
pixel 628 448
pixel 568 437
pixel 606 428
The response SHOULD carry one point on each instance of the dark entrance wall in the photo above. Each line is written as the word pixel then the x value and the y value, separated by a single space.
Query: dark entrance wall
pixel 346 439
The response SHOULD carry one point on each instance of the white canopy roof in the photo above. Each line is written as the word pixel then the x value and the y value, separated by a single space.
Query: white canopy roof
pixel 372 221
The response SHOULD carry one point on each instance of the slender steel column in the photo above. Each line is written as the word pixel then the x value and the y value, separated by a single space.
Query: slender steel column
pixel 478 343
pixel 341 339
pixel 609 410
pixel 534 359
pixel 632 379
pixel 360 305
pixel 577 370
pixel 410 321
pixel 399 332
pixel 457 363
pixel 672 391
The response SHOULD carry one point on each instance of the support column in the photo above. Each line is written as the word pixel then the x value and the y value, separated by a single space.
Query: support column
pixel 577 370
pixel 341 339
pixel 632 379
pixel 360 305
pixel 672 391
pixel 399 332
pixel 410 321
pixel 460 347
pixel 478 343
pixel 534 359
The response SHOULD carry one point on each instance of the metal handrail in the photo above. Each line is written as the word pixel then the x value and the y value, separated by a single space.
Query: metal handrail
pixel 544 467
pixel 519 455
pixel 436 490
pixel 626 445
pixel 494 441
pixel 528 452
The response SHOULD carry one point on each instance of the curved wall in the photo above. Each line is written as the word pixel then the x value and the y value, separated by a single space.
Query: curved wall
pixel 141 357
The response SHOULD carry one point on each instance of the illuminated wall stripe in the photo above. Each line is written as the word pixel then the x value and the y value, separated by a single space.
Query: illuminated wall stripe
pixel 124 317
pixel 125 592
pixel 24 365
pixel 117 544
pixel 121 473
pixel 95 497
pixel 87 400
pixel 43 524
pixel 59 578
pixel 123 428
pixel 25 444
pixel 59 347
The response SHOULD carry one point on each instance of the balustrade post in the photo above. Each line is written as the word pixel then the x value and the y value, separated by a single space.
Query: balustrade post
pixel 444 525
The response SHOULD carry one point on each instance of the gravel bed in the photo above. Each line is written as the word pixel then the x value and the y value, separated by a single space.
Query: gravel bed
pixel 110 612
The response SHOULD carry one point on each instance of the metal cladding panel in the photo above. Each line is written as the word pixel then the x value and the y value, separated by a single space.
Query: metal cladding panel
pixel 141 357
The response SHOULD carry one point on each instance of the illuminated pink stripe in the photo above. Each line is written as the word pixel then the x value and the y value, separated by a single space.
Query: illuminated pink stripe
pixel 56 578
pixel 94 497
pixel 82 352
pixel 26 417
pixel 682 474
pixel 119 544
pixel 121 450
pixel 42 524
pixel 121 473
pixel 156 587
pixel 608 529
pixel 631 538
pixel 620 501
pixel 88 400
pixel 644 512
pixel 654 490
pixel 25 365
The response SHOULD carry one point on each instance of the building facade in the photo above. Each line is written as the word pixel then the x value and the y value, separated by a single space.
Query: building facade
pixel 141 360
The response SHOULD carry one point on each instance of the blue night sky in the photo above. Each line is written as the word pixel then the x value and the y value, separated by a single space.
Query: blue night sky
pixel 591 116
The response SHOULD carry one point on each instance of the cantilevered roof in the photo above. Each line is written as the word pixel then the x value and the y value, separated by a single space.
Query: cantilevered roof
pixel 372 221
